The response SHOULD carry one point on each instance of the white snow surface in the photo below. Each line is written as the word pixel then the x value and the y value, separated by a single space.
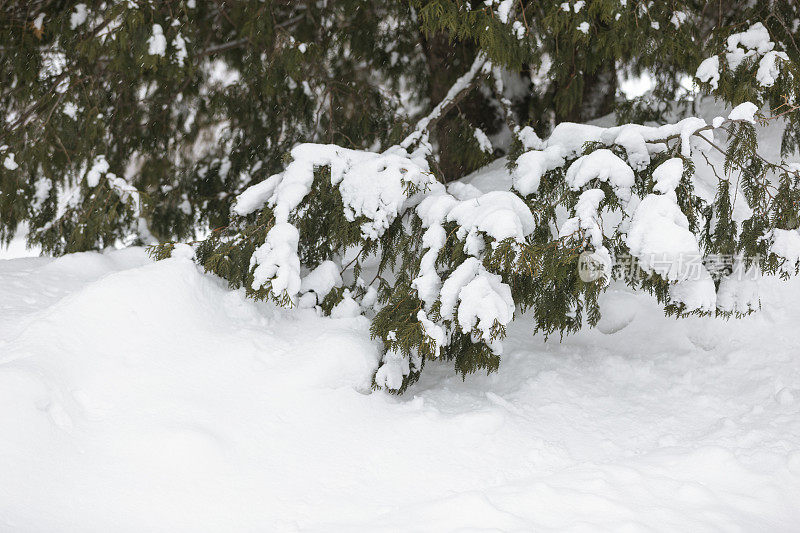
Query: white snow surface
pixel 696 293
pixel 503 10
pixel 756 37
pixel 586 217
pixel 428 283
pixel 532 166
pixel 147 396
pixel 769 69
pixel 322 279
pixel 9 162
pixel 180 49
pixel 745 111
pixel 754 41
pixel 603 165
pixel 157 43
pixel 708 71
pixel 483 141
pixel 668 175
pixel 500 214
pixel 276 261
pixel 78 16
pixel 660 238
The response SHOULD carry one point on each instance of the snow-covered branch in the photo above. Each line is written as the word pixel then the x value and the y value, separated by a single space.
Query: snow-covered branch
pixel 457 92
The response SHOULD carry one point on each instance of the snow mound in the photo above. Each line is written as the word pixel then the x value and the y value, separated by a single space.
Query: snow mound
pixel 149 381
pixel 147 396
pixel 619 310
pixel 708 71
pixel 532 165
pixel 659 237
pixel 602 165
pixel 744 111
pixel 668 175
pixel 499 214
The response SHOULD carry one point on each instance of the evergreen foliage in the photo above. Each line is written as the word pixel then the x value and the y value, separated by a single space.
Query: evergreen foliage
pixel 311 152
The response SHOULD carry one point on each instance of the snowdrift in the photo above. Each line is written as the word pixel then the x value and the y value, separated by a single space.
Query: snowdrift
pixel 147 396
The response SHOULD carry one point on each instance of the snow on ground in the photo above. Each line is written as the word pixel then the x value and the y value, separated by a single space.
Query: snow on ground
pixel 147 396
pixel 17 248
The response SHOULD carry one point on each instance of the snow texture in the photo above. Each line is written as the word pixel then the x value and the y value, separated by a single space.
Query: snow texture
pixel 602 165
pixel 532 165
pixel 452 286
pixel 126 191
pixel 499 214
pixel 484 302
pixel 99 168
pixel 71 110
pixel 668 175
pixel 754 41
pixel 587 222
pixel 157 43
pixel 374 186
pixel 78 17
pixel 255 197
pixel 756 37
pixel 483 141
pixel 586 217
pixel 433 209
pixel 435 332
pixel 141 396
pixel 394 368
pixel 708 71
pixel 769 68
pixel 660 238
pixel 640 142
pixel 738 292
pixel 504 9
pixel 570 137
pixel 42 187
pixel 276 261
pixel 678 17
pixel 479 299
pixel 322 279
pixel 347 308
pixel 696 293
pixel 745 111
pixel 179 43
pixel 428 282
pixel 529 139
pixel 9 162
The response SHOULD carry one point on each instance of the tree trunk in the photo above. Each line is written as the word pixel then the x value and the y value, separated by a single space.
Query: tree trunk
pixel 446 62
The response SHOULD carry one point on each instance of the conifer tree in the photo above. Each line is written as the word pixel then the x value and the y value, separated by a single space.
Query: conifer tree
pixel 319 150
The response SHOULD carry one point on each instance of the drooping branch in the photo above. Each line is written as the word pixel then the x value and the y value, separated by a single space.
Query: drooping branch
pixel 724 126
